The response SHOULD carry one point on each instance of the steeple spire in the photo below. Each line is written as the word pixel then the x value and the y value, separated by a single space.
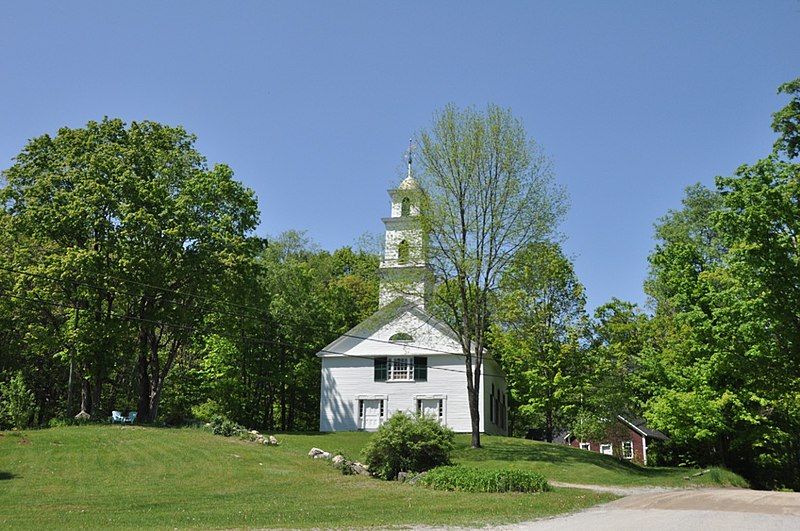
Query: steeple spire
pixel 410 152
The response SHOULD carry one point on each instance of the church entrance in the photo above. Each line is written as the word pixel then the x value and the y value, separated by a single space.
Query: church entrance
pixel 431 407
pixel 371 412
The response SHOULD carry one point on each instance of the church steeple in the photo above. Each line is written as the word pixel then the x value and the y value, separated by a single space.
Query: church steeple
pixel 404 271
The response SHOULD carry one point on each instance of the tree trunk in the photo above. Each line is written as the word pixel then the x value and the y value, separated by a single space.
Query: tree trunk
pixel 283 407
pixel 475 417
pixel 86 399
pixel 97 389
pixel 548 434
pixel 69 387
pixel 143 408
pixel 473 395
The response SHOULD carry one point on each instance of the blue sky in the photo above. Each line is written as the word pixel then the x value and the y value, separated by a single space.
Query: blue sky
pixel 312 104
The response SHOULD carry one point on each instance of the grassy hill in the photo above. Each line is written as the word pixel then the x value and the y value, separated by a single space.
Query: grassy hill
pixel 555 462
pixel 112 476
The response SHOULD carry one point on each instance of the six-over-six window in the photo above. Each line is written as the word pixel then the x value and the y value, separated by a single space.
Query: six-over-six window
pixel 401 369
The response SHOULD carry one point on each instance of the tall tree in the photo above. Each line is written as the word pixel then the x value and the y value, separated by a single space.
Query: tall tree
pixel 612 382
pixel 786 121
pixel 490 192
pixel 724 339
pixel 128 228
pixel 540 321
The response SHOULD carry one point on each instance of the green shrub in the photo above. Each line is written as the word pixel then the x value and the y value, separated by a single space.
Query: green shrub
pixel 17 403
pixel 467 479
pixel 219 425
pixel 408 443
pixel 207 411
pixel 58 422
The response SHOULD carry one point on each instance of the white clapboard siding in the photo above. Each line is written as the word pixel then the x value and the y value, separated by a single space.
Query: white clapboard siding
pixel 348 371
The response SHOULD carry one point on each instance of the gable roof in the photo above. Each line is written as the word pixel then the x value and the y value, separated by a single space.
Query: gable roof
pixel 382 317
pixel 639 425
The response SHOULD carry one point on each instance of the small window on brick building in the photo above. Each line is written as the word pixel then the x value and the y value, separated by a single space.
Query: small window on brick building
pixel 627 449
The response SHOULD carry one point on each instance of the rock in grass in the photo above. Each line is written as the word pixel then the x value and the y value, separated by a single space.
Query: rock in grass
pixel 318 453
pixel 359 468
pixel 273 441
pixel 338 459
pixel 416 478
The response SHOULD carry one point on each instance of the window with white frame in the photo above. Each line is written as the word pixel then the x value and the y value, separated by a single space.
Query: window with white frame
pixel 627 449
pixel 606 449
pixel 400 369
pixel 586 446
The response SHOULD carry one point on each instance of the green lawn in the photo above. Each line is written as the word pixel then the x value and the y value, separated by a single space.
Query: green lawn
pixel 112 476
pixel 104 476
pixel 555 462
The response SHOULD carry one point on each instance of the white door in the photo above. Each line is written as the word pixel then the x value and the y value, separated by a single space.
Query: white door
pixel 371 414
pixel 431 407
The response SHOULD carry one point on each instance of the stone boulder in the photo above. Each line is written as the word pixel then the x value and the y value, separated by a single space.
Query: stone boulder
pixel 318 453
pixel 273 441
pixel 359 468
pixel 338 459
pixel 416 478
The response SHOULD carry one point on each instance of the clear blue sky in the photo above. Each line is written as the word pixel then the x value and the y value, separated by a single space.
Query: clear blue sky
pixel 312 103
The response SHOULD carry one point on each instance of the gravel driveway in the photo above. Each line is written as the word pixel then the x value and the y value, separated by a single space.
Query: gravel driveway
pixel 673 509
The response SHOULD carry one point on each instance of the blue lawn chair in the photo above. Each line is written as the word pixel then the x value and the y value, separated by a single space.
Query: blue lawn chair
pixel 131 418
pixel 116 416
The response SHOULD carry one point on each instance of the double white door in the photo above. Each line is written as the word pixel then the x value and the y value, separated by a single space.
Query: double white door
pixel 371 414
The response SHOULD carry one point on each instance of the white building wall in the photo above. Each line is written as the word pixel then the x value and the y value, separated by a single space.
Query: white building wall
pixel 492 376
pixel 347 378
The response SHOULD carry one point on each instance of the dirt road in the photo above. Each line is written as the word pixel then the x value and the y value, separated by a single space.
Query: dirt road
pixel 703 509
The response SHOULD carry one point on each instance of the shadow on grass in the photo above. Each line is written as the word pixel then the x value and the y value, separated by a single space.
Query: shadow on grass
pixel 522 450
pixel 6 475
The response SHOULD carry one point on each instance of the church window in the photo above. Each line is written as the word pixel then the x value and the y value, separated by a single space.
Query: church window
pixel 405 207
pixel 402 252
pixel 401 370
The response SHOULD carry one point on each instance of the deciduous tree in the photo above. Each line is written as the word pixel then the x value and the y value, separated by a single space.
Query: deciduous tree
pixel 490 192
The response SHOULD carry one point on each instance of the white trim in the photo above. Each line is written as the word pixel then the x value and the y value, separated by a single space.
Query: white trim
pixel 587 445
pixel 631 426
pixel 383 409
pixel 644 450
pixel 622 447
pixel 408 368
pixel 436 396
pixel 443 404
pixel 610 447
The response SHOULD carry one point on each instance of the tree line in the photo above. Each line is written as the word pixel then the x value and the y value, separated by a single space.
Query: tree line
pixel 714 362
pixel 131 277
